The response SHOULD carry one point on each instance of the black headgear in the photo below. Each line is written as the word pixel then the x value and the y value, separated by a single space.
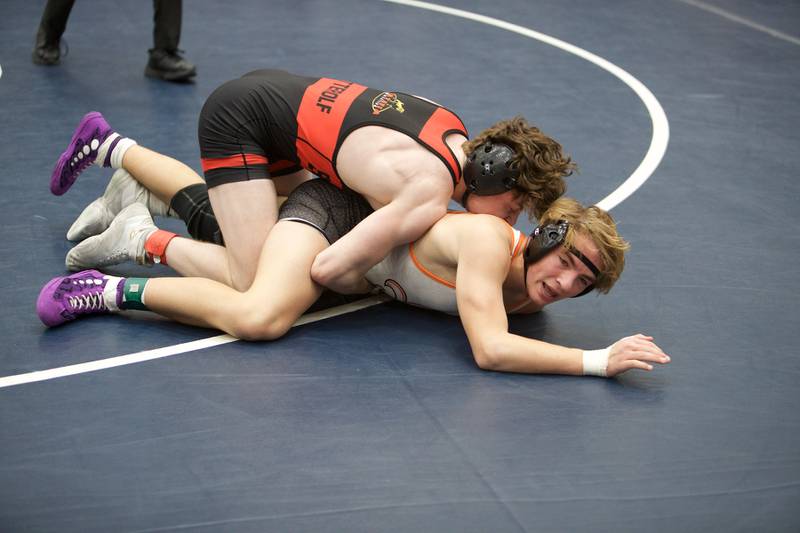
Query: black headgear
pixel 544 239
pixel 489 170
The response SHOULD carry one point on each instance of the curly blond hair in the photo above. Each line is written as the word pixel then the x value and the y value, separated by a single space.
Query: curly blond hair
pixel 598 225
pixel 540 160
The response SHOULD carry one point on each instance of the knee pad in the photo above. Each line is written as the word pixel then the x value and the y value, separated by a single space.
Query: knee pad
pixel 193 206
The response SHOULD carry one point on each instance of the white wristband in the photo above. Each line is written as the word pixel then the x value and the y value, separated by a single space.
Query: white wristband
pixel 595 362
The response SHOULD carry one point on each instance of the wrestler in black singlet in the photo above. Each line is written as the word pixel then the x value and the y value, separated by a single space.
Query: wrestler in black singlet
pixel 272 123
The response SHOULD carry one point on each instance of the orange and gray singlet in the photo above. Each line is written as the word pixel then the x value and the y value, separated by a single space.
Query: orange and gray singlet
pixel 269 123
pixel 402 276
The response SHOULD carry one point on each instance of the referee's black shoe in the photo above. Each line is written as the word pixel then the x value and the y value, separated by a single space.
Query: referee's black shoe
pixel 169 66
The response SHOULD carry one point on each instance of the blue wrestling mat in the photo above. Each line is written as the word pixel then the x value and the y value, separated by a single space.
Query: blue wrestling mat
pixel 683 118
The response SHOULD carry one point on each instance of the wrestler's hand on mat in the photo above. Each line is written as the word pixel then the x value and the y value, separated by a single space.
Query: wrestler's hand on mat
pixel 636 351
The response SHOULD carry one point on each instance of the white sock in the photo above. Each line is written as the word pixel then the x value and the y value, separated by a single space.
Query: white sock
pixel 117 153
pixel 110 293
pixel 103 150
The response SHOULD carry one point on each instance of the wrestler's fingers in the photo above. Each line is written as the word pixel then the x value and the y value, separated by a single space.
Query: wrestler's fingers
pixel 633 363
pixel 649 346
pixel 641 357
pixel 649 356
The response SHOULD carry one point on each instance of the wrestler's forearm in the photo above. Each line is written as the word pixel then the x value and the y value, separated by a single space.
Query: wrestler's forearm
pixel 514 353
pixel 341 266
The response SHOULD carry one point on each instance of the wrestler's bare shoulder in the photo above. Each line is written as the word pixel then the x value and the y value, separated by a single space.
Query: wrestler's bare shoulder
pixel 460 228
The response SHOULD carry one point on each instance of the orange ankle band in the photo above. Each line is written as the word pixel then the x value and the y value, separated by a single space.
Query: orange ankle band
pixel 156 245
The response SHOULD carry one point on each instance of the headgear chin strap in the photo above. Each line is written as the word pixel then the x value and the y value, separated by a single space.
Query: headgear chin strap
pixel 489 170
pixel 546 238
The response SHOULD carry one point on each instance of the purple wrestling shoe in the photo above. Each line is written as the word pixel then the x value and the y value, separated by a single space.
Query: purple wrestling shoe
pixel 66 298
pixel 81 152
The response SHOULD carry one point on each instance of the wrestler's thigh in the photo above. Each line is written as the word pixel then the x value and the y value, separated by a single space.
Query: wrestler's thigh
pixel 245 211
pixel 283 280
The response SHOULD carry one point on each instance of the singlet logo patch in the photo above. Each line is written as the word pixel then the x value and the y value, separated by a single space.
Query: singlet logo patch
pixel 395 290
pixel 387 100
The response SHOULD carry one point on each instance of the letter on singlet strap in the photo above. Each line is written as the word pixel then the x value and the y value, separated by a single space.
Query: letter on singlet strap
pixel 319 119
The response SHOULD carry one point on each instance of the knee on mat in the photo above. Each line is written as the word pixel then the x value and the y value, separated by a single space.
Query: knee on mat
pixel 260 325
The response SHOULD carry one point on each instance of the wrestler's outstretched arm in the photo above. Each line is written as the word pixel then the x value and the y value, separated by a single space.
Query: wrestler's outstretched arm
pixel 483 263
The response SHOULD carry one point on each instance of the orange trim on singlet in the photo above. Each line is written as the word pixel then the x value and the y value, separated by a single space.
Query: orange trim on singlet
pixel 514 250
pixel 523 242
pixel 440 124
pixel 319 120
pixel 518 248
pixel 425 271
pixel 234 161
pixel 511 244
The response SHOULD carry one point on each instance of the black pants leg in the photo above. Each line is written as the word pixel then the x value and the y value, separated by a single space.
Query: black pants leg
pixel 167 16
pixel 54 18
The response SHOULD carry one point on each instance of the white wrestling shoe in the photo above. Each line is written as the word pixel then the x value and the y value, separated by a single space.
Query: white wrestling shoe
pixel 122 191
pixel 122 241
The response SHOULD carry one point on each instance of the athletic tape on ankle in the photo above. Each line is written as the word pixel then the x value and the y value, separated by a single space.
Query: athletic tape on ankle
pixel 133 294
pixel 156 245
pixel 595 362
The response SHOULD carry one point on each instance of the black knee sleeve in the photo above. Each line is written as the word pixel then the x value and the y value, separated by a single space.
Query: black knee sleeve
pixel 192 205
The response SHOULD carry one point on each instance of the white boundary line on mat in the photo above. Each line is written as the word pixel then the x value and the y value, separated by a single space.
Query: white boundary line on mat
pixel 744 21
pixel 176 349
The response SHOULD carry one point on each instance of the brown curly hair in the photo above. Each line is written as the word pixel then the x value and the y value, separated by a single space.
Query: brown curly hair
pixel 540 159
pixel 600 227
